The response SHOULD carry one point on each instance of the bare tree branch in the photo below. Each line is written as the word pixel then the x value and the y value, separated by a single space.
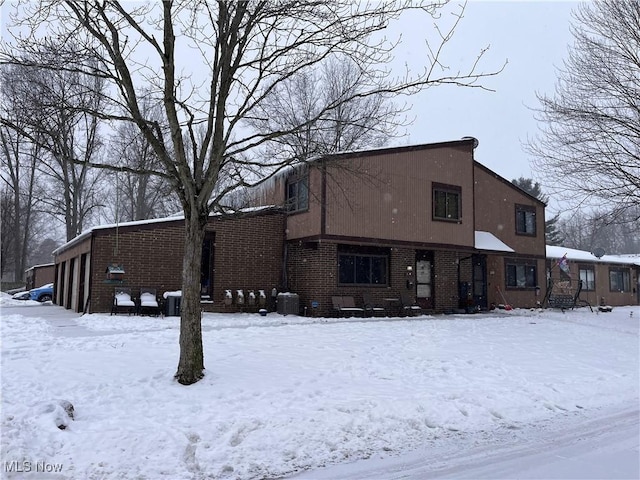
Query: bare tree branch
pixel 588 148
pixel 246 50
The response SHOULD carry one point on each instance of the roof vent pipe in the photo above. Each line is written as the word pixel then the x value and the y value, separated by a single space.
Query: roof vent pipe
pixel 475 141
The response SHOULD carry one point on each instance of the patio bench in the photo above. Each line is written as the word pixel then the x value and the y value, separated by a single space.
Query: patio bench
pixel 346 306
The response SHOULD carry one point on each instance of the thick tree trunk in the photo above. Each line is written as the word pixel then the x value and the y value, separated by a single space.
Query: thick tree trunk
pixel 19 247
pixel 191 365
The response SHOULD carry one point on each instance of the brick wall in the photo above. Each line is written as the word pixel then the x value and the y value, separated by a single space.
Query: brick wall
pixel 446 280
pixel 150 254
pixel 312 271
pixel 247 255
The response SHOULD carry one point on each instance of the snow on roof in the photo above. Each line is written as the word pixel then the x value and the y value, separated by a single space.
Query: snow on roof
pixel 488 241
pixel 40 266
pixel 582 255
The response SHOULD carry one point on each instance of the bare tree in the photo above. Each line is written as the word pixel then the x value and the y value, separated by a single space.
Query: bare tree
pixel 212 65
pixel 596 229
pixel 56 106
pixel 139 195
pixel 19 158
pixel 361 122
pixel 588 148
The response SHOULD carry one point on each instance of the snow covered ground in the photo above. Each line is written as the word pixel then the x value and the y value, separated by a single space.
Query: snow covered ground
pixel 523 394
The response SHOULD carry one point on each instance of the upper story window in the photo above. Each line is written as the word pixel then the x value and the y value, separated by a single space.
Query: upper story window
pixel 297 193
pixel 525 220
pixel 447 202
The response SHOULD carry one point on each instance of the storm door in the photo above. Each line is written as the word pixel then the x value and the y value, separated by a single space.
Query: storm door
pixel 424 279
pixel 480 280
pixel 207 268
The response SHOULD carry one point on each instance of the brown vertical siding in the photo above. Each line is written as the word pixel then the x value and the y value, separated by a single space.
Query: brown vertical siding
pixel 308 223
pixel 389 196
pixel 495 200
pixel 495 212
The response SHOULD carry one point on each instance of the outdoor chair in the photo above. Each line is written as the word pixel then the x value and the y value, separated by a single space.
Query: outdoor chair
pixel 409 306
pixel 370 308
pixel 122 301
pixel 149 302
pixel 346 306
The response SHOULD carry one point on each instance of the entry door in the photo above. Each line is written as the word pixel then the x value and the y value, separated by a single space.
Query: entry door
pixel 480 280
pixel 207 267
pixel 424 279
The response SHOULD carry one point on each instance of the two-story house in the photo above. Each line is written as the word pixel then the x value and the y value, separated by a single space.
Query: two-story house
pixel 426 220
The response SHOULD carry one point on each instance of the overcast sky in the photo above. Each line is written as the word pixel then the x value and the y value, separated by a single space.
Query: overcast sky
pixel 533 37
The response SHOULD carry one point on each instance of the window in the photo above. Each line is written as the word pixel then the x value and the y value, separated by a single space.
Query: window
pixel 362 266
pixel 525 220
pixel 588 278
pixel 446 202
pixel 521 274
pixel 619 280
pixel 297 194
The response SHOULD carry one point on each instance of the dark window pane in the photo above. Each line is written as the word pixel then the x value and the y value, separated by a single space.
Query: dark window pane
pixel 520 276
pixel 530 220
pixel 619 281
pixel 379 271
pixel 303 195
pixel 530 276
pixel 440 199
pixel 520 221
pixel 363 270
pixel 446 205
pixel 511 275
pixel 346 269
pixel 452 206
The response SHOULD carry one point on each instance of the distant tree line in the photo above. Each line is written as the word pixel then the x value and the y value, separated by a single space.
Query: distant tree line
pixel 50 192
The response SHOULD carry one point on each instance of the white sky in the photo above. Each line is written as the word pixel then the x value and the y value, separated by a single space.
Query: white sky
pixel 534 38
